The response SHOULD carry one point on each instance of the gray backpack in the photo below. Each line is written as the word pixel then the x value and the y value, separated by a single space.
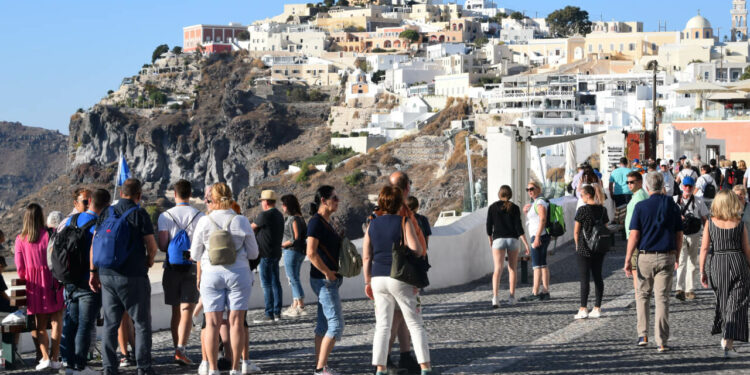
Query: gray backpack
pixel 221 250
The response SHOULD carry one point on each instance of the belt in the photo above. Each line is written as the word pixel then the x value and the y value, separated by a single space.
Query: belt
pixel 654 252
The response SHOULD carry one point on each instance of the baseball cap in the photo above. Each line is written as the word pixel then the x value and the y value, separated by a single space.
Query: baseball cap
pixel 683 157
pixel 688 181
pixel 636 161
pixel 664 162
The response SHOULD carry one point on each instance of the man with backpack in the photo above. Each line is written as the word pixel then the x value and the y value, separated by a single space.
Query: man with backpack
pixel 694 214
pixel 269 229
pixel 70 260
pixel 122 251
pixel 176 229
pixel 705 186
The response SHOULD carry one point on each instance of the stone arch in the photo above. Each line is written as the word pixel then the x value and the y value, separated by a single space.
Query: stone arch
pixel 397 44
pixel 460 27
pixel 441 39
pixel 454 27
pixel 387 44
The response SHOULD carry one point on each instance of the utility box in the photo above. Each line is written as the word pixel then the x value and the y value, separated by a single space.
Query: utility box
pixel 638 145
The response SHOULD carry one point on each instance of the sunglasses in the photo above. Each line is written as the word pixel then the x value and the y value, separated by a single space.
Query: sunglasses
pixel 530 189
pixel 208 201
pixel 631 182
pixel 85 202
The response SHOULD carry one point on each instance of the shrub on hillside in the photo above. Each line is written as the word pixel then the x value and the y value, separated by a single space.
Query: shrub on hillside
pixel 354 178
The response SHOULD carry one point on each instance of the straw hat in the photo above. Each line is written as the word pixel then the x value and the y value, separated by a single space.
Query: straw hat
pixel 268 195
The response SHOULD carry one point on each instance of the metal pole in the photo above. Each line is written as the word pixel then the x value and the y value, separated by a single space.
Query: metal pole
pixel 653 111
pixel 117 176
pixel 471 174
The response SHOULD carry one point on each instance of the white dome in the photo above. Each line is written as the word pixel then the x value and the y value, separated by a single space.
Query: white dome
pixel 698 22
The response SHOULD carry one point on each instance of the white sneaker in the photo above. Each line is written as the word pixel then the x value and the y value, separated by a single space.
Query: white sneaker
pixel 582 314
pixel 43 364
pixel 595 313
pixel 512 300
pixel 301 311
pixel 248 367
pixel 730 353
pixel 291 312
pixel 234 372
pixel 88 371
pixel 203 368
pixel 17 317
pixel 55 365
pixel 494 302
pixel 214 372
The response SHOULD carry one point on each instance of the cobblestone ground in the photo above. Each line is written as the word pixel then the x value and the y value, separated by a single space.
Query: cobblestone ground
pixel 467 336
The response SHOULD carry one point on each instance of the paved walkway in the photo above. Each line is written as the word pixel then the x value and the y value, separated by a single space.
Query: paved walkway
pixel 467 336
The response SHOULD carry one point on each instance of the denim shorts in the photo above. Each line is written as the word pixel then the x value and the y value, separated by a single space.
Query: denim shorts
pixel 330 320
pixel 539 254
pixel 510 244
pixel 222 288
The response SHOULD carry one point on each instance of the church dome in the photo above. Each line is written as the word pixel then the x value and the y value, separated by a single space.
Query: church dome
pixel 698 22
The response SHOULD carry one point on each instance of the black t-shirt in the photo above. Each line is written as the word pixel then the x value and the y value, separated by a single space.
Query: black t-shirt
pixel 270 233
pixel 586 215
pixel 504 224
pixel 322 231
pixel 140 226
pixel 424 225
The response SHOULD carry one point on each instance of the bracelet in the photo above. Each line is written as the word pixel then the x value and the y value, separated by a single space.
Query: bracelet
pixel 93 270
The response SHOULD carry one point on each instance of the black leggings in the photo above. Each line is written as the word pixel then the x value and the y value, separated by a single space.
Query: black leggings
pixel 591 266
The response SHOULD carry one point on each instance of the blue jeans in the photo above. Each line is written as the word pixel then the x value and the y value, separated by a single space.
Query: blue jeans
pixel 80 318
pixel 131 294
pixel 269 280
pixel 330 321
pixel 292 264
pixel 539 254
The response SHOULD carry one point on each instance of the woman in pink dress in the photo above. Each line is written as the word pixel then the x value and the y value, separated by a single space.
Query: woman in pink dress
pixel 44 297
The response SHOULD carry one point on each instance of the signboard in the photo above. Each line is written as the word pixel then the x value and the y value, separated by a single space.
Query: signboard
pixel 612 149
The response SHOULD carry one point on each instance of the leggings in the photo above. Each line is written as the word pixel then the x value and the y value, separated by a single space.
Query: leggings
pixel 591 266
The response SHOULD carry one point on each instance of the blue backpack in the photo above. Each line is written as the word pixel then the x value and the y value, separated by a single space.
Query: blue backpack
pixel 178 252
pixel 111 245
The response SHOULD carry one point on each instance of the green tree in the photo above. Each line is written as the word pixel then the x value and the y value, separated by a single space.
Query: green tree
pixel 569 21
pixel 342 3
pixel 746 74
pixel 363 65
pixel 243 35
pixel 410 35
pixel 158 97
pixel 354 178
pixel 177 50
pixel 517 16
pixel 158 51
pixel 304 173
pixel 481 41
pixel 328 3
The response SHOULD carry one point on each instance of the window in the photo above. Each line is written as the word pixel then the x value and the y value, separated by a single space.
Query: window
pixel 591 47
pixel 697 34
pixel 611 47
pixel 631 47
pixel 705 76
pixel 622 47
pixel 600 48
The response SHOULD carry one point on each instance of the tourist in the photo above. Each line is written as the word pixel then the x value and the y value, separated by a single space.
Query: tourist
pixel 745 176
pixel 269 230
pixel 687 171
pixel 728 273
pixel 694 213
pixel 741 172
pixel 294 245
pixel 83 304
pixel 424 224
pixel 536 219
pixel 715 172
pixel 697 163
pixel 504 229
pixel 384 232
pixel 227 284
pixel 55 221
pixel 126 287
pixel 741 192
pixel 664 170
pixel 651 167
pixel 323 247
pixel 577 179
pixel 635 184
pixel 125 338
pixel 44 297
pixel 705 186
pixel 618 187
pixel 81 199
pixel 656 231
pixel 589 260
pixel 179 280
pixel 591 178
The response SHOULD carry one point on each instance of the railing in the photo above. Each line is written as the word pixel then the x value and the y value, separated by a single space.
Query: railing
pixel 714 114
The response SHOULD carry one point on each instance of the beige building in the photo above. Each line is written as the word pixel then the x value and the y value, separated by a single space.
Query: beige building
pixel 314 72
pixel 290 10
pixel 616 27
pixel 383 38
pixel 630 46
pixel 360 19
pixel 553 52
pixel 435 12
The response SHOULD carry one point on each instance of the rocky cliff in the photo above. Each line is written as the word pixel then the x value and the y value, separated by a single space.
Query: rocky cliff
pixel 31 158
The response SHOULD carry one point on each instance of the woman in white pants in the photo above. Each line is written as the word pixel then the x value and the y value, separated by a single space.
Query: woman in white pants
pixel 385 231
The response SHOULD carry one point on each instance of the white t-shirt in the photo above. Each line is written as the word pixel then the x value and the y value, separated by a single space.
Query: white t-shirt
pixel 668 182
pixel 532 217
pixel 687 172
pixel 177 218
pixel 242 236
pixel 697 208
pixel 703 181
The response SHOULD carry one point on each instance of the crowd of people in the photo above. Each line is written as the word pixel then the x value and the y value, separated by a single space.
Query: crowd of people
pixel 208 272
pixel 686 224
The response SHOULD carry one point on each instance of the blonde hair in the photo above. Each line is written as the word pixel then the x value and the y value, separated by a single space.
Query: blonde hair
pixel 739 189
pixel 221 194
pixel 726 206
pixel 33 223
pixel 726 163
pixel 536 184
pixel 742 165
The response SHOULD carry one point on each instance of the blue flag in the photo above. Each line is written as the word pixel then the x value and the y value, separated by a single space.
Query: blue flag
pixel 124 171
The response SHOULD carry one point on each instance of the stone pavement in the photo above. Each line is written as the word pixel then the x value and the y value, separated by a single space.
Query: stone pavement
pixel 467 336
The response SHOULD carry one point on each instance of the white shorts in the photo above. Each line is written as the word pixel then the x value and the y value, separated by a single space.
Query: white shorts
pixel 510 244
pixel 223 288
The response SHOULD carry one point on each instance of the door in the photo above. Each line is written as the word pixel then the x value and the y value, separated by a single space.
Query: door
pixel 712 152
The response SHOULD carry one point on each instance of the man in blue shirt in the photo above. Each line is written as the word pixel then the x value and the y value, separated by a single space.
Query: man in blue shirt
pixel 128 287
pixel 618 184
pixel 82 303
pixel 656 231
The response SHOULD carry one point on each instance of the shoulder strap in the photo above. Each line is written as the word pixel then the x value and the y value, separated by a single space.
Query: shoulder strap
pixel 129 211
pixel 197 213
pixel 173 220
pixel 74 221
pixel 229 223
pixel 89 224
pixel 320 245
pixel 213 222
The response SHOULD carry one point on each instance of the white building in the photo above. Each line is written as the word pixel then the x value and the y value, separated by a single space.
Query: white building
pixel 436 51
pixel 453 85
pixel 384 62
pixel 270 37
pixel 406 119
pixel 403 75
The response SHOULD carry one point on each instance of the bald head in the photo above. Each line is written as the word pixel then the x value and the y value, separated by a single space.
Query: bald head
pixel 400 180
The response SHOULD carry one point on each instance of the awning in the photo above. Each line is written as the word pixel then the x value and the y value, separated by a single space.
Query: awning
pixel 544 141
pixel 734 95
pixel 700 87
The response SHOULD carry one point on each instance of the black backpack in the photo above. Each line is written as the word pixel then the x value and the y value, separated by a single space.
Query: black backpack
pixel 709 191
pixel 691 224
pixel 68 260
pixel 600 239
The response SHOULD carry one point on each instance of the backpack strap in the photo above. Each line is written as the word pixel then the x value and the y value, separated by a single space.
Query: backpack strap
pixel 88 225
pixel 229 223
pixel 213 222
pixel 74 221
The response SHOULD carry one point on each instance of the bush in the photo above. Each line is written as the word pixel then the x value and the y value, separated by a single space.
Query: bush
pixel 175 106
pixel 410 35
pixel 297 94
pixel 304 173
pixel 355 178
pixel 110 92
pixel 158 52
pixel 389 160
pixel 378 50
pixel 316 96
pixel 243 35
pixel 158 97
pixel 80 110
pixel 177 50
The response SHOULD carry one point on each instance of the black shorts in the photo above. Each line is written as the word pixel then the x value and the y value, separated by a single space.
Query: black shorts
pixel 180 286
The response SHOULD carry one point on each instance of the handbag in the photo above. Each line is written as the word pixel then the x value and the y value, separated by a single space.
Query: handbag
pixel 407 266
pixel 691 224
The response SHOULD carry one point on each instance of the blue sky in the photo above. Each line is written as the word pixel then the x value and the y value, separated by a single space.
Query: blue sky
pixel 59 56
